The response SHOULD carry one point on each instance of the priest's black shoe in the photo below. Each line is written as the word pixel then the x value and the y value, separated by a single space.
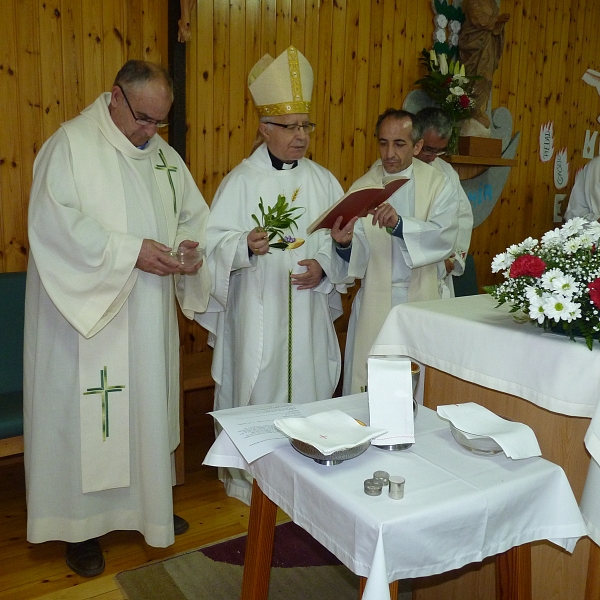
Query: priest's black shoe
pixel 180 525
pixel 85 558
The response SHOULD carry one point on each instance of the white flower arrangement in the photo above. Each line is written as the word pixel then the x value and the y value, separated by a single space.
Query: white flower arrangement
pixel 554 283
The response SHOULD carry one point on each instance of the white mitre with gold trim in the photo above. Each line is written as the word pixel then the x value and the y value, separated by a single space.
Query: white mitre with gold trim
pixel 283 85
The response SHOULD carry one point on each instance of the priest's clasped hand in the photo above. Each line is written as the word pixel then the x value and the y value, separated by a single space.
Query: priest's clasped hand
pixel 384 216
pixel 310 278
pixel 153 259
pixel 343 235
pixel 258 241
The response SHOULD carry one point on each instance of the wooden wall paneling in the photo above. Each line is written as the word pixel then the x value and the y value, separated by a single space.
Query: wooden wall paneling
pixel 298 11
pixel 238 78
pixel 154 35
pixel 10 155
pixel 93 60
pixel 542 174
pixel 515 210
pixel 404 45
pixel 269 28
pixel 72 67
pixel 201 100
pixel 351 89
pixel 336 109
pixel 283 26
pixel 321 60
pixel 134 14
pixel 576 63
pixel 29 107
pixel 252 55
pixel 222 91
pixel 51 59
pixel 373 94
pixel 361 127
pixel 311 50
pixel 388 61
pixel 114 51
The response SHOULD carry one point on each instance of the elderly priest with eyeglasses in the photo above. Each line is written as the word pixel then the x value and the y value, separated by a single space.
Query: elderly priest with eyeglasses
pixel 273 304
pixel 396 249
pixel 109 199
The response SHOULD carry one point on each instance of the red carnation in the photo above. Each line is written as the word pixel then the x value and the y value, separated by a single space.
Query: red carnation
pixel 464 100
pixel 527 265
pixel 594 289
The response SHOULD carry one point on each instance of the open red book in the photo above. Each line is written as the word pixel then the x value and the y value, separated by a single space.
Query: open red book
pixel 358 202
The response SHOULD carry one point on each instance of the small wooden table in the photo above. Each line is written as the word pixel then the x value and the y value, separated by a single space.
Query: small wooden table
pixel 458 508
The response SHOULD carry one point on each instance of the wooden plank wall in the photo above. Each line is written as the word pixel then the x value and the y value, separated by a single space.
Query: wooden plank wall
pixel 365 58
pixel 57 55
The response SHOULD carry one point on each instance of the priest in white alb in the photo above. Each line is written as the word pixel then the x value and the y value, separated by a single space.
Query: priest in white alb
pixel 394 250
pixel 272 308
pixel 109 199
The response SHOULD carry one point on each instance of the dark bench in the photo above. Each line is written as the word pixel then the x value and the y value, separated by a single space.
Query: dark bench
pixel 12 313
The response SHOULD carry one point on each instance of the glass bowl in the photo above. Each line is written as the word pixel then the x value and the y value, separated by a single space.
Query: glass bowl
pixel 329 459
pixel 482 445
pixel 187 258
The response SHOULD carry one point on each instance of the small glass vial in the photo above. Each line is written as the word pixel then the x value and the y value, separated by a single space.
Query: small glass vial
pixel 373 487
pixel 383 475
pixel 396 489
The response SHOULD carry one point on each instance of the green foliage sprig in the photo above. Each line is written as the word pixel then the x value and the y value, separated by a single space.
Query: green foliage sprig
pixel 275 220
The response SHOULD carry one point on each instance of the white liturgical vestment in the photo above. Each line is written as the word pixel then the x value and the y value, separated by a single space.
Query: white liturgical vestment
pixel 101 357
pixel 272 342
pixel 396 270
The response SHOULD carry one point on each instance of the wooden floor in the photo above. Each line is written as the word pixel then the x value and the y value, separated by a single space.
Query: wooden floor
pixel 39 570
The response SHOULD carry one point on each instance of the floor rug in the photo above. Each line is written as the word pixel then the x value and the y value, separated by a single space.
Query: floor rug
pixel 302 569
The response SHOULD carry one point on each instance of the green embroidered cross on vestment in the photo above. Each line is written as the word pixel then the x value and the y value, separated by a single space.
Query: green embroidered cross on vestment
pixel 104 390
pixel 169 169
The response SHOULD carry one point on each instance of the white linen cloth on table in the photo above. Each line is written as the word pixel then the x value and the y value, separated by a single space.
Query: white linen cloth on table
pixel 473 339
pixel 470 338
pixel 457 507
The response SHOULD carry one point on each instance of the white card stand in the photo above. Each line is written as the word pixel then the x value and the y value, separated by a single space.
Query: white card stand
pixel 390 393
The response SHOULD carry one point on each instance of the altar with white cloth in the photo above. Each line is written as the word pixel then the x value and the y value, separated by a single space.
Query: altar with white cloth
pixel 458 508
pixel 477 352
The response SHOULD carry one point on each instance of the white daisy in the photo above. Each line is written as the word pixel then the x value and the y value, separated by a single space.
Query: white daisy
pixel 536 308
pixel 573 226
pixel 502 261
pixel 547 277
pixel 565 285
pixel 572 245
pixel 552 238
pixel 560 308
pixel 528 244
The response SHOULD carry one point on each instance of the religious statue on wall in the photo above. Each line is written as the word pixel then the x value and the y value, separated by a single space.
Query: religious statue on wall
pixel 184 23
pixel 480 45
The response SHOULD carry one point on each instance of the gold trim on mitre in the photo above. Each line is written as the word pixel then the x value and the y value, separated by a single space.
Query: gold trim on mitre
pixel 283 85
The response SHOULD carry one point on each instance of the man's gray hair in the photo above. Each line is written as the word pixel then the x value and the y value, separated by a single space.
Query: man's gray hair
pixel 136 73
pixel 436 119
pixel 416 133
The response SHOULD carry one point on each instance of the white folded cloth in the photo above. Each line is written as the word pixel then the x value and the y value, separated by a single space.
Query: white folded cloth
pixel 328 431
pixel 516 439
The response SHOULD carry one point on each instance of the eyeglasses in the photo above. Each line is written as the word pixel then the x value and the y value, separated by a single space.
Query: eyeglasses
pixel 433 151
pixel 139 120
pixel 294 127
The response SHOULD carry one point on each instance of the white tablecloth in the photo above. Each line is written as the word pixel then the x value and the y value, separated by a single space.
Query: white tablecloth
pixel 472 339
pixel 457 508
